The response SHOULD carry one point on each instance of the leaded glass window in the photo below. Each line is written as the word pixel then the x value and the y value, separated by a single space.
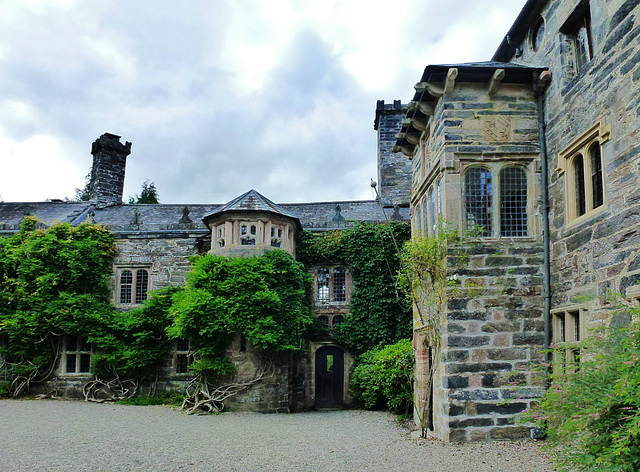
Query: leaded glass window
pixel 513 202
pixel 479 200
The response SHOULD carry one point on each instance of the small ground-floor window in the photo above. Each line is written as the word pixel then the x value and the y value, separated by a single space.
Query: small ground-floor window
pixel 76 355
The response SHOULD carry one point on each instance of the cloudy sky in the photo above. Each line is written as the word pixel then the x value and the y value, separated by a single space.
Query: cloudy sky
pixel 219 96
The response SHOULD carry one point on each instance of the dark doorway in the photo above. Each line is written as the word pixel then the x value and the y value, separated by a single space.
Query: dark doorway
pixel 329 377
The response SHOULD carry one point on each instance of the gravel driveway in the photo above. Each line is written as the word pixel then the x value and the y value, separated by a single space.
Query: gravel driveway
pixel 68 436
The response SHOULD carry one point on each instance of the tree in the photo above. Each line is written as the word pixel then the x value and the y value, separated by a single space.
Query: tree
pixel 148 195
pixel 52 282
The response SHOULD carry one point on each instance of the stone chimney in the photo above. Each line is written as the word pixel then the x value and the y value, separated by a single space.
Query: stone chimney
pixel 394 169
pixel 107 174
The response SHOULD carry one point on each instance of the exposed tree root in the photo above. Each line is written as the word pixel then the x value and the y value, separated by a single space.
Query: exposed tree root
pixel 101 391
pixel 200 399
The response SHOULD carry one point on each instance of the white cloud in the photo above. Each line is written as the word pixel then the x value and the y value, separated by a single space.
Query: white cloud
pixel 219 97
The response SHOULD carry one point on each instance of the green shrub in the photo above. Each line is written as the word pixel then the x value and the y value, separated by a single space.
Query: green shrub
pixel 593 413
pixel 5 388
pixel 145 400
pixel 383 377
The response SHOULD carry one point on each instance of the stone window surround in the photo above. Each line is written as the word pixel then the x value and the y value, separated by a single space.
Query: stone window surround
pixel 600 133
pixel 331 268
pixel 228 233
pixel 78 353
pixel 430 208
pixel 496 167
pixel 576 31
pixel 178 352
pixel 134 268
pixel 333 320
pixel 568 328
pixel 536 34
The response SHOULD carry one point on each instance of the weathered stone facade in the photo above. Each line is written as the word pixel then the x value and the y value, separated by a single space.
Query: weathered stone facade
pixel 560 101
pixel 153 244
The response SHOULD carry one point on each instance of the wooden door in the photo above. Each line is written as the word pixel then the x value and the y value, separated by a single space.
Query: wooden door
pixel 329 377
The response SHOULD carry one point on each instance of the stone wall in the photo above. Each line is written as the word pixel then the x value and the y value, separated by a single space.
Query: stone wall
pixel 394 170
pixel 600 254
pixel 493 321
pixel 495 335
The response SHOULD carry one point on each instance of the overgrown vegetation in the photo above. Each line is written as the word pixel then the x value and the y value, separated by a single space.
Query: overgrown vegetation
pixel 591 411
pixel 379 312
pixel 426 262
pixel 52 282
pixel 383 378
pixel 55 282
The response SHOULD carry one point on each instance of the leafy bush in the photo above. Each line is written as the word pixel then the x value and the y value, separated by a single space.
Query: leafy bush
pixel 264 297
pixel 52 282
pixel 593 413
pixel 383 377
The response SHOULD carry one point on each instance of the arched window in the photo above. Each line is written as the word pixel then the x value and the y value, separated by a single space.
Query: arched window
pixel 513 202
pixel 581 196
pixel 323 284
pixel 133 286
pixel 142 284
pixel 126 286
pixel 597 185
pixel 537 34
pixel 339 284
pixel 479 200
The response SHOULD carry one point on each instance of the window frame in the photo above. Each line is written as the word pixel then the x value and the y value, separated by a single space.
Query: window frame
pixel 331 271
pixel 430 208
pixel 179 354
pixel 496 170
pixel 567 331
pixel 135 271
pixel 82 349
pixel 598 134
pixel 578 32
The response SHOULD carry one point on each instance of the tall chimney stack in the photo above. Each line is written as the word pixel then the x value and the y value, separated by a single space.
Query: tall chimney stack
pixel 107 174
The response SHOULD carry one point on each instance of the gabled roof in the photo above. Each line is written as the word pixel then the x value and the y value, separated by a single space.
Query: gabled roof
pixel 252 201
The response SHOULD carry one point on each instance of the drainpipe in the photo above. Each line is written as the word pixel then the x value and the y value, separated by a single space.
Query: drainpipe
pixel 539 85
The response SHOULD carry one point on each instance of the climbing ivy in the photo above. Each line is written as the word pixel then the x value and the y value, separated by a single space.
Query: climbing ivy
pixel 379 312
pixel 52 282
pixel 265 298
pixel 55 282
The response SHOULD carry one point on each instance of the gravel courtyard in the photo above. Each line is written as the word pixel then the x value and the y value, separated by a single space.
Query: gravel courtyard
pixel 76 436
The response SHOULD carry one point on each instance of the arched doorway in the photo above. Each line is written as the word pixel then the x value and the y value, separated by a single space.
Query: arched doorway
pixel 329 377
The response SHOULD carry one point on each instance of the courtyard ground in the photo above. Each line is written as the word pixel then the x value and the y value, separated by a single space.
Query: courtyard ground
pixel 49 435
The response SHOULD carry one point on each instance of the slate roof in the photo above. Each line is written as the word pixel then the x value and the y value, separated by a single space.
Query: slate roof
pixel 181 219
pixel 251 201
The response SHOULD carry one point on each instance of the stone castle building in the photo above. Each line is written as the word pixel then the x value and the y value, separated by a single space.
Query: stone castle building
pixel 153 244
pixel 533 158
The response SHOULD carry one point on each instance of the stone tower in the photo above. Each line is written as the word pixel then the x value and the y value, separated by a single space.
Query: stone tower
pixel 107 174
pixel 394 171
